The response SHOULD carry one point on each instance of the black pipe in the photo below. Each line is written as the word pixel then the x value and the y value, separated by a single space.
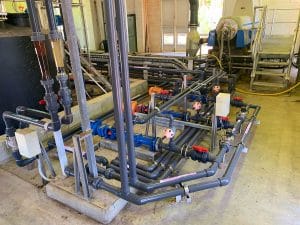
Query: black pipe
pixel 20 162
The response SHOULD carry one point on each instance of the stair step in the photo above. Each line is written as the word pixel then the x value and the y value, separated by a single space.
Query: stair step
pixel 268 84
pixel 270 63
pixel 274 55
pixel 268 73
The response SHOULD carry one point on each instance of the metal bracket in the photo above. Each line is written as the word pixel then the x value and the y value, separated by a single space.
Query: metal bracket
pixel 81 180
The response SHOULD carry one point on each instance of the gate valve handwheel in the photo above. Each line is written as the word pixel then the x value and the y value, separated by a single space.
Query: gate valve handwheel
pixel 201 149
pixel 168 133
pixel 216 88
pixel 197 106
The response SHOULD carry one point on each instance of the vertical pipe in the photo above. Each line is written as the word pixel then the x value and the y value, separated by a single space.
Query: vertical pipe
pixel 213 129
pixel 117 96
pixel 123 45
pixel 79 83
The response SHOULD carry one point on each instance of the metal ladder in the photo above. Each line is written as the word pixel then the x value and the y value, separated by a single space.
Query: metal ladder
pixel 272 54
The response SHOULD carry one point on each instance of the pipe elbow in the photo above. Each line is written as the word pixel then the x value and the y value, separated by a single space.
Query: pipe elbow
pixel 211 171
pixel 224 181
pixel 21 110
pixel 67 119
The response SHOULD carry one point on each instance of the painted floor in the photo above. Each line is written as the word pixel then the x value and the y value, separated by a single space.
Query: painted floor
pixel 265 189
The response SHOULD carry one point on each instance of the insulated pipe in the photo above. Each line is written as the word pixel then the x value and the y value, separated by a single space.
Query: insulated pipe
pixel 66 6
pixel 123 46
pixel 117 96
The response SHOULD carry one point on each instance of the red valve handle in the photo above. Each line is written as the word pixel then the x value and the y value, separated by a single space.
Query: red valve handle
pixel 198 148
pixel 42 102
pixel 237 98
pixel 224 118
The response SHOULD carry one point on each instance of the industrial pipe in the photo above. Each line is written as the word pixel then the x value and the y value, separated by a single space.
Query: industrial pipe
pixel 69 26
pixel 117 97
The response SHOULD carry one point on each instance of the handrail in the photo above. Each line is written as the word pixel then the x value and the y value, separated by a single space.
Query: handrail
pixel 295 39
pixel 256 45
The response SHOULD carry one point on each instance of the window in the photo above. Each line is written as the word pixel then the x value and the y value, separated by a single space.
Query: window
pixel 181 38
pixel 168 39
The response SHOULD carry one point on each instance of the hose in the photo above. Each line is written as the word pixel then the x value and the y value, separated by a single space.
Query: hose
pixel 218 60
pixel 268 94
pixel 41 171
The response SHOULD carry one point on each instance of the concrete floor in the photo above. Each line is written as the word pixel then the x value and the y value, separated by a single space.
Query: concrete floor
pixel 265 189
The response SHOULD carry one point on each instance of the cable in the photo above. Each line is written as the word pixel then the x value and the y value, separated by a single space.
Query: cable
pixel 268 94
pixel 218 60
pixel 41 170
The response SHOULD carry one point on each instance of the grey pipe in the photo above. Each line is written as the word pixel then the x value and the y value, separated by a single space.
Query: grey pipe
pixel 9 117
pixel 50 15
pixel 139 200
pixel 66 6
pixel 180 96
pixel 194 9
pixel 200 174
pixel 117 96
pixel 33 17
pixel 152 167
pixel 22 110
pixel 123 46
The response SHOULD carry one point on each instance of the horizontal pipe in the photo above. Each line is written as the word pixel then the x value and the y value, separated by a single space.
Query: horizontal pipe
pixel 9 117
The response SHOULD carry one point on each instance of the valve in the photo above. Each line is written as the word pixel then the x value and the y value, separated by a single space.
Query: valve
pixel 183 116
pixel 200 154
pixel 223 122
pixel 216 89
pixel 198 148
pixel 168 133
pixel 197 106
pixel 141 108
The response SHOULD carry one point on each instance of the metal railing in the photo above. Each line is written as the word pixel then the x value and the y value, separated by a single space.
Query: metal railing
pixel 295 41
pixel 259 31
